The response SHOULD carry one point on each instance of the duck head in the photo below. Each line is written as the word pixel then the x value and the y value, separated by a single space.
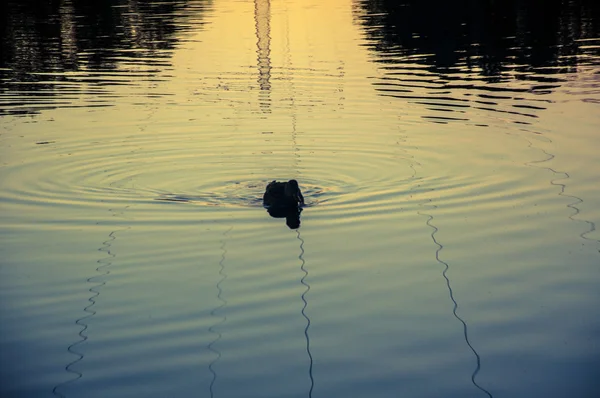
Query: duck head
pixel 292 190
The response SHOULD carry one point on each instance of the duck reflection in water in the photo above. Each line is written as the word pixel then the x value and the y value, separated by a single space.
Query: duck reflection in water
pixel 284 200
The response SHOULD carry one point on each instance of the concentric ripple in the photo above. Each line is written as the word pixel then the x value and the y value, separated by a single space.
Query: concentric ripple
pixel 449 169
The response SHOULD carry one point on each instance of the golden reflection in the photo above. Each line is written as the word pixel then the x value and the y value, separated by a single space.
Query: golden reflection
pixel 295 89
pixel 68 34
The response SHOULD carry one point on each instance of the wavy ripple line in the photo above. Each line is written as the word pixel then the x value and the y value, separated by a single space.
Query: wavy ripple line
pixel 303 311
pixel 212 329
pixel 563 187
pixel 451 294
pixel 101 272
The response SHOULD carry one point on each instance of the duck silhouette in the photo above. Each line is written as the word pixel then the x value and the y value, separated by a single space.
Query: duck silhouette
pixel 284 200
pixel 283 195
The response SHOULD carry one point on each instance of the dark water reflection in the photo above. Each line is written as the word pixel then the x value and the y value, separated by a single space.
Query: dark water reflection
pixel 45 43
pixel 292 216
pixel 495 36
pixel 452 56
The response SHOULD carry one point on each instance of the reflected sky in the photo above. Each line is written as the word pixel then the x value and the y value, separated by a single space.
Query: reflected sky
pixel 77 48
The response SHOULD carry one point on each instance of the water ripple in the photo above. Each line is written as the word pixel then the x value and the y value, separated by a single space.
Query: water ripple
pixel 303 311
pixel 563 187
pixel 102 271
pixel 214 328
pixel 440 247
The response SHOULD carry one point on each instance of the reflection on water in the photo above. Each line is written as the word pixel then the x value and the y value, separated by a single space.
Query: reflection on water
pixel 80 48
pixel 472 125
pixel 560 181
pixel 213 346
pixel 452 57
pixel 304 300
pixel 291 215
pixel 98 281
pixel 500 40
pixel 439 248
pixel 262 17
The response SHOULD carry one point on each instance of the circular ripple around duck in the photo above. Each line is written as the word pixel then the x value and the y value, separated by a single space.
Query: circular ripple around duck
pixel 205 169
pixel 341 176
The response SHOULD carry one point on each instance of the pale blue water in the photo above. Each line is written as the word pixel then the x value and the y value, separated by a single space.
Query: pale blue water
pixel 448 155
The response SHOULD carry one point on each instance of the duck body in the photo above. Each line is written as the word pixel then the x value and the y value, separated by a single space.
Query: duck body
pixel 283 195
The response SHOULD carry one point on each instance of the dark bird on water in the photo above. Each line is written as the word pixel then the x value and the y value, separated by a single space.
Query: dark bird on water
pixel 284 200
pixel 283 194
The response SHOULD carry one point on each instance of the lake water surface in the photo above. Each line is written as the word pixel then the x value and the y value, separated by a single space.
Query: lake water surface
pixel 448 153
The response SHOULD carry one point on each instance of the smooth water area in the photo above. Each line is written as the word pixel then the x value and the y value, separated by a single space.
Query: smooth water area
pixel 447 152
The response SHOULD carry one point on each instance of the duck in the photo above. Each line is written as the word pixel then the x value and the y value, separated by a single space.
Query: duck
pixel 285 195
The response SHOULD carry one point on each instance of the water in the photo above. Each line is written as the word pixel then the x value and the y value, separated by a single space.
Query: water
pixel 447 154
